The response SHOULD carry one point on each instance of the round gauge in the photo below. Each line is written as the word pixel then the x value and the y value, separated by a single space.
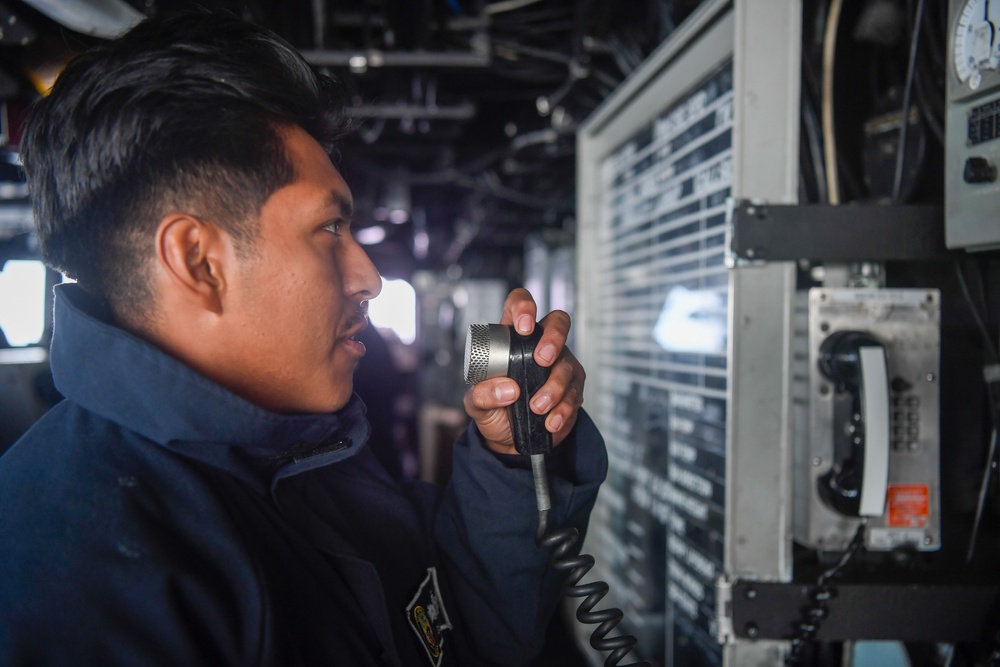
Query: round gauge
pixel 975 39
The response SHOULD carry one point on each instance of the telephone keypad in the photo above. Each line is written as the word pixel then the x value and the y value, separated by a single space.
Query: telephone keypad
pixel 906 423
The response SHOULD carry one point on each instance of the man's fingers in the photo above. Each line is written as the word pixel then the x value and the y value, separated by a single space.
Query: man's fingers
pixel 520 310
pixel 490 395
pixel 566 380
pixel 556 327
pixel 485 403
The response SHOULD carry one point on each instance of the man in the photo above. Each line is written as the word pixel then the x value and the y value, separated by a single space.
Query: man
pixel 205 495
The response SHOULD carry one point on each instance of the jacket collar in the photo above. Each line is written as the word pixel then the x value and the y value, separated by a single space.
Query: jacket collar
pixel 126 380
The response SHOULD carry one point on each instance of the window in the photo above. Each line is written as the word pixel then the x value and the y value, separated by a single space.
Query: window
pixel 396 308
pixel 22 302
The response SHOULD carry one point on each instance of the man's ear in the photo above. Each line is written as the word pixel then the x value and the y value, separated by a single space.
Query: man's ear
pixel 192 254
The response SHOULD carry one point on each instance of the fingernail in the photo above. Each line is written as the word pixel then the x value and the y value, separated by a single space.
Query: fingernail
pixel 504 392
pixel 547 353
pixel 524 324
pixel 541 404
pixel 556 423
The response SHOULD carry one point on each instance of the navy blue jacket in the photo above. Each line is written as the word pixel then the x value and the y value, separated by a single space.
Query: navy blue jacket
pixel 154 518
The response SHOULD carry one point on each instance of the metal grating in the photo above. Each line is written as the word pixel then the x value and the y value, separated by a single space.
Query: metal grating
pixel 477 353
pixel 662 347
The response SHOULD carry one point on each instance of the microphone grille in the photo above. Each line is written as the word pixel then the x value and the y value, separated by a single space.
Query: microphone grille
pixel 477 353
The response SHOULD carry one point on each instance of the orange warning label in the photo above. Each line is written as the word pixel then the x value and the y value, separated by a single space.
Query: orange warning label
pixel 908 505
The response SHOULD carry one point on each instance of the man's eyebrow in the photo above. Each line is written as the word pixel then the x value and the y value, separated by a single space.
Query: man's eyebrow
pixel 342 203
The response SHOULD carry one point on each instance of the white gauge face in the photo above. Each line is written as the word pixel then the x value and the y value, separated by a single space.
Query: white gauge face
pixel 976 45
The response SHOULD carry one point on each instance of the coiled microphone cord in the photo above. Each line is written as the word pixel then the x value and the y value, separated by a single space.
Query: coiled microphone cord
pixel 562 542
pixel 814 613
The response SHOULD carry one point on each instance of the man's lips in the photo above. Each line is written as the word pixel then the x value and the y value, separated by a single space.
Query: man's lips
pixel 358 323
pixel 356 347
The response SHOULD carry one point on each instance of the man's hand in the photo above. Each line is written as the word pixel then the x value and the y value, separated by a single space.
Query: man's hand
pixel 560 397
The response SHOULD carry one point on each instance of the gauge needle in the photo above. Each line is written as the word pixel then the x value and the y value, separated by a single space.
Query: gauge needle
pixel 985 35
pixel 991 29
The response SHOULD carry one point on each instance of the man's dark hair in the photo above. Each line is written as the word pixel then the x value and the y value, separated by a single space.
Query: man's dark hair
pixel 181 113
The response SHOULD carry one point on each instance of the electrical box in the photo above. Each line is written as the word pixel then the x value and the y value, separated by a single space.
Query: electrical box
pixel 873 451
pixel 972 141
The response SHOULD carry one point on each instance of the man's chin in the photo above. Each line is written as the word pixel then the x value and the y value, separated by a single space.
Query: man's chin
pixel 321 402
pixel 341 397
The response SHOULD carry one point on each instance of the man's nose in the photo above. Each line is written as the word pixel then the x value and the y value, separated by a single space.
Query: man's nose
pixel 363 277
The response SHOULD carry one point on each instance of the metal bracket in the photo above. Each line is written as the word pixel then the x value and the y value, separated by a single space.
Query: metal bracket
pixel 790 232
pixel 724 609
pixel 900 612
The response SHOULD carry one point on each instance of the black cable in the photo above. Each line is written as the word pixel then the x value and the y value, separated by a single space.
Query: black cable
pixel 993 399
pixel 814 613
pixel 981 285
pixel 930 74
pixel 931 120
pixel 981 504
pixel 814 142
pixel 907 90
pixel 934 34
pixel 977 316
pixel 561 542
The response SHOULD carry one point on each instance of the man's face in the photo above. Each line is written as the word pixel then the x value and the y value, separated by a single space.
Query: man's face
pixel 300 293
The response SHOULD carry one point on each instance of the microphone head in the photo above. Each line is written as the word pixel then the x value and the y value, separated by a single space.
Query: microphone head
pixel 487 352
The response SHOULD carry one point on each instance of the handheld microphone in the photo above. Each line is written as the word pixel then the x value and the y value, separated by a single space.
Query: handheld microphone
pixel 496 350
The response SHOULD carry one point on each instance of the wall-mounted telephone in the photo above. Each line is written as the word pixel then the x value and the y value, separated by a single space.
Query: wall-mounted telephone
pixel 496 350
pixel 855 364
pixel 873 445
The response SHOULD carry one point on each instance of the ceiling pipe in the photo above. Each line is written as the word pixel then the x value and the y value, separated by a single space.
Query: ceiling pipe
pixel 376 58
pixel 464 111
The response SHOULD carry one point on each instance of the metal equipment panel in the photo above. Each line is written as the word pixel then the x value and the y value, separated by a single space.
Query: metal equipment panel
pixel 905 326
pixel 759 451
pixel 693 401
pixel 972 149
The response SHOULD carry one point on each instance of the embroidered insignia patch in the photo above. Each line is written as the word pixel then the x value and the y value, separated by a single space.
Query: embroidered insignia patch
pixel 428 617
